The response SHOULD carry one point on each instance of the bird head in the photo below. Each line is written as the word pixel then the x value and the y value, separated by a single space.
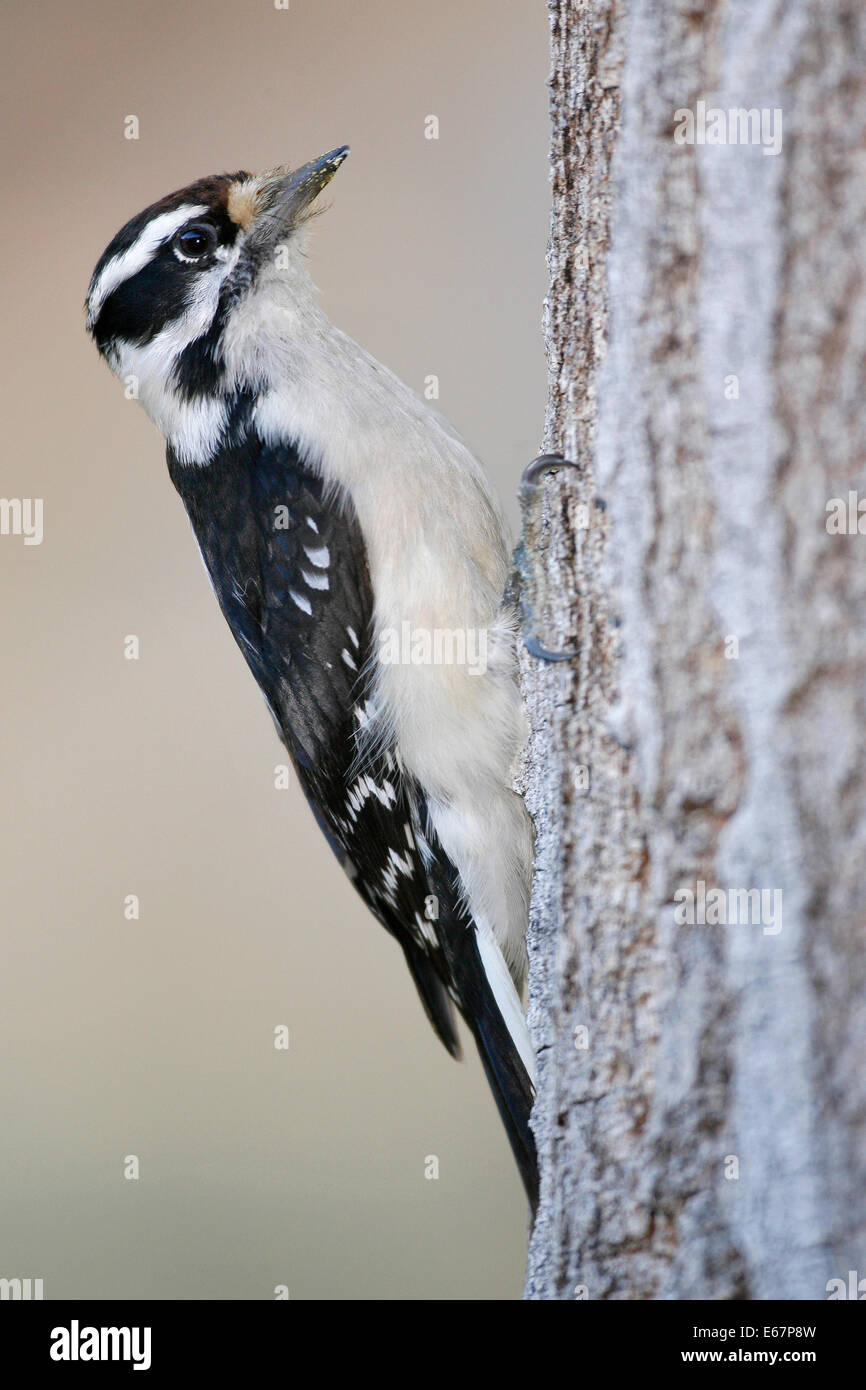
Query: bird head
pixel 166 289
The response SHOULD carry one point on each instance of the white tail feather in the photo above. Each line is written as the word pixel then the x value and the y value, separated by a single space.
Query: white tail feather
pixel 507 998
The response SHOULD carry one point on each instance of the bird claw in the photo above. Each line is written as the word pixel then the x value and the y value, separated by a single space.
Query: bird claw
pixel 531 479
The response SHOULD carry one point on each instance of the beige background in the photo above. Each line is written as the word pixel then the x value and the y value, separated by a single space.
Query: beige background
pixel 155 777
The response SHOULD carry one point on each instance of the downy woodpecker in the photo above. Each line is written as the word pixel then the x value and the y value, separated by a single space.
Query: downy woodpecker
pixel 347 530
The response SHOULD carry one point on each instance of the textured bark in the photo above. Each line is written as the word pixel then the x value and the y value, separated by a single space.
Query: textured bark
pixel 706 1137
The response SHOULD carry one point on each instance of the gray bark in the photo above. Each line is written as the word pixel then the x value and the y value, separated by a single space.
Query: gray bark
pixel 709 1139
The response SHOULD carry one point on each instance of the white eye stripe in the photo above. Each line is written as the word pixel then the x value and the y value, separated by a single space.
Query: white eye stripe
pixel 138 255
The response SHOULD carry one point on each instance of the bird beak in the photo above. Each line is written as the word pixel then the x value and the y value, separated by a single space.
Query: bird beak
pixel 286 197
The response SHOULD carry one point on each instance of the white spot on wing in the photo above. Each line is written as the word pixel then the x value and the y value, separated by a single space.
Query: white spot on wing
pixel 385 794
pixel 365 713
pixel 403 864
pixel 302 602
pixel 320 556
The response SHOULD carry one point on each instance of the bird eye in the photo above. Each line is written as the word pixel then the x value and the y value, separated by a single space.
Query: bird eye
pixel 194 242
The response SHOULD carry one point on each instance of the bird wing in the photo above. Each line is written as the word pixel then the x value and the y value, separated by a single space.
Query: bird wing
pixel 289 567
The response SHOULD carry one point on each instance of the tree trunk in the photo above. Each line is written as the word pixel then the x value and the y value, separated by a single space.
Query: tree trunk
pixel 701 1116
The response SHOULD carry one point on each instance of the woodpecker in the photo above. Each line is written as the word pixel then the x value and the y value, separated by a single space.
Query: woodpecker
pixel 344 524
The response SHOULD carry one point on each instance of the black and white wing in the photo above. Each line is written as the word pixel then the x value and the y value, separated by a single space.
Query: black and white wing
pixel 288 563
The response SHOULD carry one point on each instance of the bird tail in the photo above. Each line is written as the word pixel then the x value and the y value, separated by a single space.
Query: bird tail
pixel 481 985
pixel 492 1009
pixel 514 1096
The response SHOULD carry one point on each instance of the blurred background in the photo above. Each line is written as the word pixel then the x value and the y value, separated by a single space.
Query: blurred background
pixel 154 777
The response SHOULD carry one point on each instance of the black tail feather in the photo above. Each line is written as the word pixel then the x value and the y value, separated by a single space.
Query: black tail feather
pixel 434 996
pixel 514 1095
pixel 471 989
pixel 506 1074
